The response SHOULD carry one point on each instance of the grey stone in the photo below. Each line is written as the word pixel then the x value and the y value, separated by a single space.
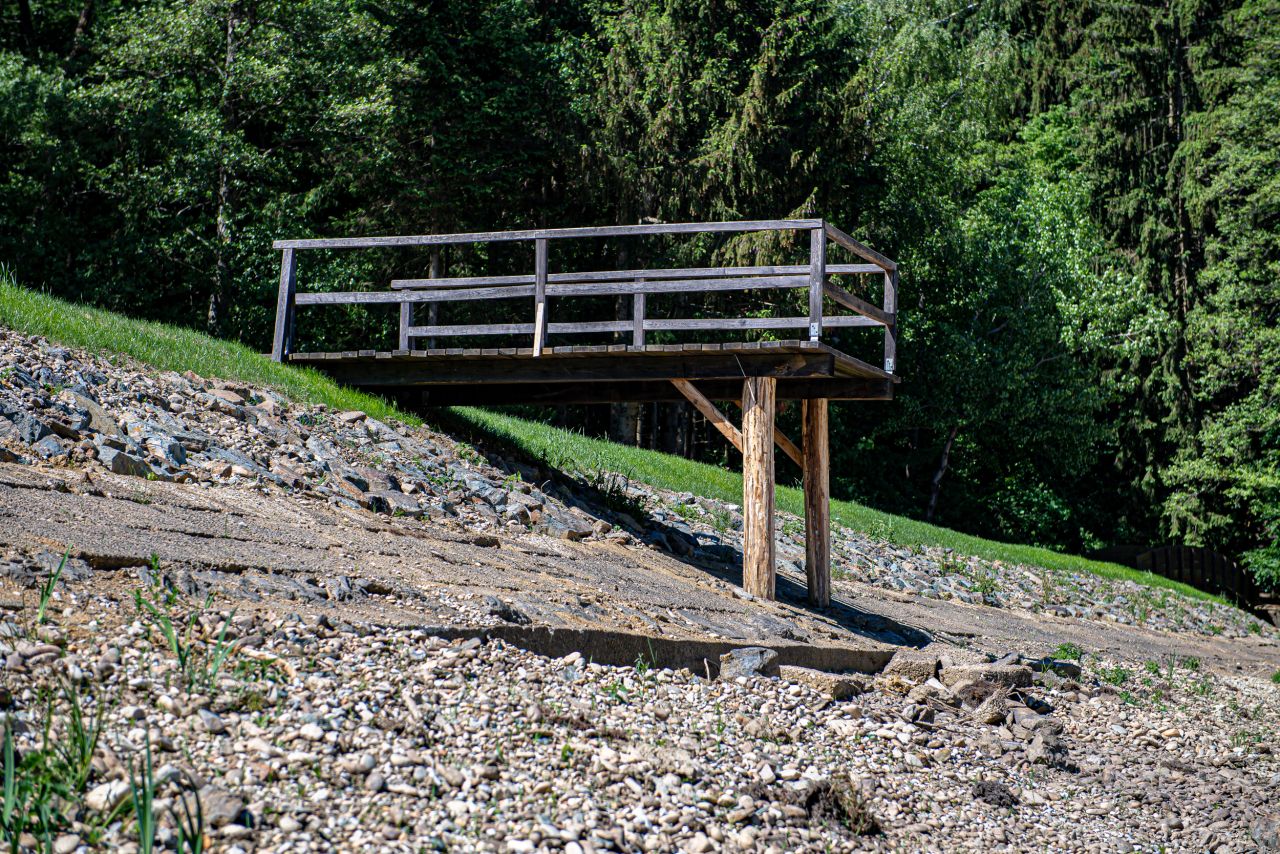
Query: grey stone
pixel 837 686
pixel 99 420
pixel 749 661
pixel 914 665
pixel 1265 832
pixel 506 613
pixel 49 447
pixel 1013 676
pixel 123 463
pixel 222 807
pixel 212 722
pixel 21 425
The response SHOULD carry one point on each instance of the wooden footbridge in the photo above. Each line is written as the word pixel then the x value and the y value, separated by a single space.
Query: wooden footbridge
pixel 755 373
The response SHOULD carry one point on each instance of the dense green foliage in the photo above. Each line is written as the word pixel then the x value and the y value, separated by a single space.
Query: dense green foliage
pixel 174 348
pixel 1084 199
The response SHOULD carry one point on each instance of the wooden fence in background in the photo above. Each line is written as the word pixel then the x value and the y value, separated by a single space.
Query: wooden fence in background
pixel 1201 568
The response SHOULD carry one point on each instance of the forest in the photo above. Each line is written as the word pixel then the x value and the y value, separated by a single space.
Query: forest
pixel 1084 199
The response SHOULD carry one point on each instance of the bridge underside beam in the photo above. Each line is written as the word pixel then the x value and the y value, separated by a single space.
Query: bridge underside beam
pixel 644 391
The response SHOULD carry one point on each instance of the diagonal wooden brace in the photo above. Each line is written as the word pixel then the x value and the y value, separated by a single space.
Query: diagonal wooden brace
pixel 718 420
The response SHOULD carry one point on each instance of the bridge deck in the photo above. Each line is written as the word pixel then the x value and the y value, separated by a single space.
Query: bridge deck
pixel 604 373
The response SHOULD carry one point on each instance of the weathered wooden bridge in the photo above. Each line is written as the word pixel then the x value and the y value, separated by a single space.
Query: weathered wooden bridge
pixel 755 373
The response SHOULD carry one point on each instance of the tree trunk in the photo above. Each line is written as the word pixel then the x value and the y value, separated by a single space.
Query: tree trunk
pixel 82 28
pixel 25 25
pixel 936 486
pixel 219 299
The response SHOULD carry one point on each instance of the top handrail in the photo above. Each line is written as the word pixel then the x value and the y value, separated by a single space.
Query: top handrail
pixel 542 284
pixel 550 233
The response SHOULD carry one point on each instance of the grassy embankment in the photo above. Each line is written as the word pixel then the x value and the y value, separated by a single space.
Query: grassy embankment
pixel 176 349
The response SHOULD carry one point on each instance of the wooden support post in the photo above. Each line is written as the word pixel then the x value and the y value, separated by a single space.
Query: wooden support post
pixel 540 296
pixel 283 341
pixel 758 569
pixel 817 503
pixel 637 319
pixel 817 280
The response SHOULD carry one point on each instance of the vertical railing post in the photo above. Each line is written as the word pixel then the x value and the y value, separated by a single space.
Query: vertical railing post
pixel 891 330
pixel 435 271
pixel 637 318
pixel 282 343
pixel 406 320
pixel 540 296
pixel 817 278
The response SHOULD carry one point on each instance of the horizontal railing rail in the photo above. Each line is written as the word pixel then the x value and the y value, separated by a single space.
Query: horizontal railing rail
pixel 541 285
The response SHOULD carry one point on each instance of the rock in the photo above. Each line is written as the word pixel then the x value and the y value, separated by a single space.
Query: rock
pixel 1265 832
pixel 211 722
pixel 505 612
pixel 228 395
pixel 1066 669
pixel 994 793
pixel 66 843
pixel 1009 675
pixel 914 665
pixel 837 686
pixel 107 796
pixel 375 782
pixel 49 447
pixel 99 420
pixel 311 732
pixel 992 710
pixel 123 463
pixel 972 692
pixel 396 502
pixel 21 425
pixel 1047 749
pixel 222 807
pixel 748 661
pixel 355 416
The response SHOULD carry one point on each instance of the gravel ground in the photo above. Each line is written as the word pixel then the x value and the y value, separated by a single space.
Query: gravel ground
pixel 314 737
pixel 270 730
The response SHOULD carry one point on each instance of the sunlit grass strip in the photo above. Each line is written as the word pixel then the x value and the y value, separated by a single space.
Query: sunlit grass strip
pixel 172 348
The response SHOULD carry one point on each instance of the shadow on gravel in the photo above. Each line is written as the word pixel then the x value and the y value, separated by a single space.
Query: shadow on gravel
pixel 606 500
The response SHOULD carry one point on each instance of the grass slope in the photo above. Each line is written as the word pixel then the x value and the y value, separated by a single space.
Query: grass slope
pixel 175 349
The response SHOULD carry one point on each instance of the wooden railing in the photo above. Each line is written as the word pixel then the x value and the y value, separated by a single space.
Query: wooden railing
pixel 541 285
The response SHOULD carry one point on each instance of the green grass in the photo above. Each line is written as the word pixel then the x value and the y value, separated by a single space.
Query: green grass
pixel 175 349
pixel 171 348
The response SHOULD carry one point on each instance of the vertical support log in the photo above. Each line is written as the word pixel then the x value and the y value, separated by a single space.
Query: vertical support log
pixel 637 319
pixel 282 343
pixel 758 569
pixel 540 296
pixel 891 331
pixel 817 503
pixel 817 276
